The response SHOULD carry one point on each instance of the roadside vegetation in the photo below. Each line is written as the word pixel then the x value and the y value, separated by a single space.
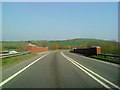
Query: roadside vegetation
pixel 13 60
pixel 64 44
pixel 110 59
pixel 107 47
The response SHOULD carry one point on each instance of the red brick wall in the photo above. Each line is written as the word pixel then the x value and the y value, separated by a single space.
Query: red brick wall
pixel 35 49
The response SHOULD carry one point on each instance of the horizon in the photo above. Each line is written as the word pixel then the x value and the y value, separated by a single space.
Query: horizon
pixel 57 40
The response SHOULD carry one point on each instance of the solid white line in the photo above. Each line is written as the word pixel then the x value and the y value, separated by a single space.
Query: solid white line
pixel 83 67
pixel 102 61
pixel 97 75
pixel 99 61
pixel 43 52
pixel 14 75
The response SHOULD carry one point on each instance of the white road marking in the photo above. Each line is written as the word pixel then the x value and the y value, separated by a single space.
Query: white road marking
pixel 14 75
pixel 99 61
pixel 86 71
pixel 102 61
pixel 43 52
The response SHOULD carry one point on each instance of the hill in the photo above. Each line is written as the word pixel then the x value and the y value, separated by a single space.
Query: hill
pixel 70 42
pixel 107 47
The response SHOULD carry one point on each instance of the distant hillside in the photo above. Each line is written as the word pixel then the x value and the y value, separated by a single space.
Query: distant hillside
pixel 70 42
pixel 107 47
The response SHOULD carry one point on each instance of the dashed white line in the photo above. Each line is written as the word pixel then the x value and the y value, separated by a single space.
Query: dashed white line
pixel 20 71
pixel 83 68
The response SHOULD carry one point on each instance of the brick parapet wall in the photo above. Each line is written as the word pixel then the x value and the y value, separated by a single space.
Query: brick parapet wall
pixel 35 49
pixel 89 51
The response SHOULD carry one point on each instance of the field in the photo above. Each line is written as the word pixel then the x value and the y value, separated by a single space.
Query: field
pixel 72 42
pixel 10 44
pixel 14 45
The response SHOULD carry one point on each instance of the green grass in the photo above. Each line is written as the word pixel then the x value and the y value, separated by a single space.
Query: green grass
pixel 106 58
pixel 13 60
pixel 71 42
pixel 12 43
pixel 66 43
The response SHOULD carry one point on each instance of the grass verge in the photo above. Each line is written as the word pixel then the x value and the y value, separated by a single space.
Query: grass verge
pixel 13 60
pixel 109 59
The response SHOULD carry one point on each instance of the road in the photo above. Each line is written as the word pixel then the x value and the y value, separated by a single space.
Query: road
pixel 61 69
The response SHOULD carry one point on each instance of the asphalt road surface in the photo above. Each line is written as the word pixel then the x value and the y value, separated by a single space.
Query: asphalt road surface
pixel 61 69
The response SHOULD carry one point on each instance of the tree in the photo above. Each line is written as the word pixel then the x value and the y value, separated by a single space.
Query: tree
pixel 69 47
pixel 107 47
pixel 55 46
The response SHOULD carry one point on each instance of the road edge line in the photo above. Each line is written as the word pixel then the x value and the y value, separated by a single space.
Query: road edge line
pixel 20 71
pixel 83 67
pixel 105 62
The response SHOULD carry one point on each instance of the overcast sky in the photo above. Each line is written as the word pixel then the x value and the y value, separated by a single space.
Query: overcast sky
pixel 59 20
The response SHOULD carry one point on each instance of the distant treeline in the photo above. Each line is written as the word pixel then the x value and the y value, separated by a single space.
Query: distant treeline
pixel 107 47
